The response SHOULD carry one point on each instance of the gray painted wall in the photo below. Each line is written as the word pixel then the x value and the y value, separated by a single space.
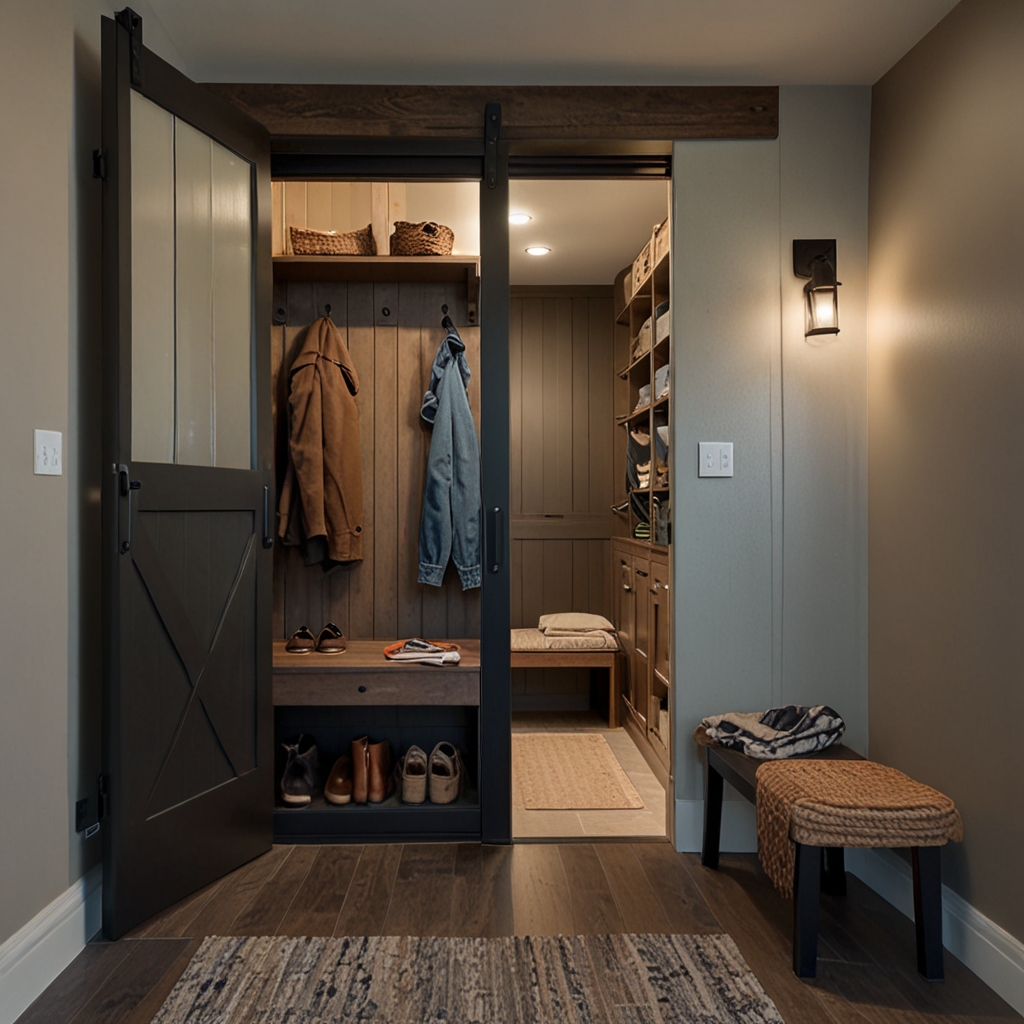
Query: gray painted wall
pixel 946 373
pixel 49 550
pixel 770 566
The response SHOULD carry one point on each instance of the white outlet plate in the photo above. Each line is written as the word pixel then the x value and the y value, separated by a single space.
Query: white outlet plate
pixel 49 454
pixel 714 458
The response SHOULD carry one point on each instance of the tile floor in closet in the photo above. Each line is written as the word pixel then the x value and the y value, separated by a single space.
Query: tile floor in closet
pixel 648 821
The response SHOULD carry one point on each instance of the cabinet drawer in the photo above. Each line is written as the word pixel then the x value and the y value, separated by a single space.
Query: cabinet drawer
pixel 430 686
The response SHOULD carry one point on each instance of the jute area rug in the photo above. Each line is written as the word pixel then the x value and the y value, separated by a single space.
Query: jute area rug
pixel 569 771
pixel 597 979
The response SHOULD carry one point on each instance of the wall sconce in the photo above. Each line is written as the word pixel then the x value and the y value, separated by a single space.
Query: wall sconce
pixel 815 258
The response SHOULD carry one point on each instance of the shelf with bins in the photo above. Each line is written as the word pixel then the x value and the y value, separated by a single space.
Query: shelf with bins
pixel 648 353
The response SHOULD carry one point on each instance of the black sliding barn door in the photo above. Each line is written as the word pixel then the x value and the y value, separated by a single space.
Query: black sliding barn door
pixel 188 758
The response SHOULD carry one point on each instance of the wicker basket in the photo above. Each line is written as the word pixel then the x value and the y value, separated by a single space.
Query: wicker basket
pixel 307 242
pixel 424 239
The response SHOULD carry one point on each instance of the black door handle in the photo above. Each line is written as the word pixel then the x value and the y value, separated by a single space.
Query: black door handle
pixel 268 537
pixel 125 487
pixel 495 539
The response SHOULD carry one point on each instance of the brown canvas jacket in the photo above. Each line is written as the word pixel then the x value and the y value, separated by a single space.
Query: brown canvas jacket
pixel 321 500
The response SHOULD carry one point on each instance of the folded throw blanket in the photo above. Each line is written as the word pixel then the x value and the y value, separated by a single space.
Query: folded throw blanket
pixel 538 640
pixel 423 652
pixel 780 732
pixel 819 802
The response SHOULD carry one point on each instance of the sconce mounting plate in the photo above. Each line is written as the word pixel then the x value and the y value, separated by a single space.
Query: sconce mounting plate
pixel 807 250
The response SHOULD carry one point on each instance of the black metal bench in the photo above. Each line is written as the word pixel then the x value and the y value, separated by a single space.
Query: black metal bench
pixel 818 867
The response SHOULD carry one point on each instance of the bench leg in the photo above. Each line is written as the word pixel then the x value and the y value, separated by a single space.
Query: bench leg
pixel 806 896
pixel 613 693
pixel 713 785
pixel 833 881
pixel 928 911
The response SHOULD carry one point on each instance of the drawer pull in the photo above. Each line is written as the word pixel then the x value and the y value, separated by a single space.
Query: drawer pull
pixel 362 689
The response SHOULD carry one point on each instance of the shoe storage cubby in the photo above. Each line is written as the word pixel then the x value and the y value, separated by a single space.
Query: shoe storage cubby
pixel 334 727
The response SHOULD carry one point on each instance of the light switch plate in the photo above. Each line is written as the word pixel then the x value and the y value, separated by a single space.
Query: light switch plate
pixel 714 458
pixel 49 459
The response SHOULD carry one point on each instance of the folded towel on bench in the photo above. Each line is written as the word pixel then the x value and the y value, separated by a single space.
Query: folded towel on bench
pixel 537 640
pixel 781 732
pixel 844 803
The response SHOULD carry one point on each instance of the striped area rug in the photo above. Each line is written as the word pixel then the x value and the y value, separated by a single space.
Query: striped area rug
pixel 594 979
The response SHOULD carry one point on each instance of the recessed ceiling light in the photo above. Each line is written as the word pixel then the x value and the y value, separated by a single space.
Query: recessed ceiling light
pixel 519 218
pixel 538 250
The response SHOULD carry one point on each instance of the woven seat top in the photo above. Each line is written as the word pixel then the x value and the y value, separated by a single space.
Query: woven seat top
pixel 845 803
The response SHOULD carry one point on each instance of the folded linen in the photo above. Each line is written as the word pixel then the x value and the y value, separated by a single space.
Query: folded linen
pixel 779 732
pixel 573 622
pixel 423 652
pixel 538 640
pixel 819 802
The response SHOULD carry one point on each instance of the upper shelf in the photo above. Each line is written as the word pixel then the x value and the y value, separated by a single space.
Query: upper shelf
pixel 419 269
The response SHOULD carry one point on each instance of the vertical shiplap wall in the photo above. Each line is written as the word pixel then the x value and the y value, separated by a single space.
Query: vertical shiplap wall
pixel 771 565
pixel 562 436
pixel 377 597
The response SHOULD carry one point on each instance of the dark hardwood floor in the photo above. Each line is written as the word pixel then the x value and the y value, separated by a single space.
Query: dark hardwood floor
pixel 866 974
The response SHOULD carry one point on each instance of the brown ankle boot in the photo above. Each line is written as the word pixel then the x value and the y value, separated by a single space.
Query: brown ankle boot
pixel 360 751
pixel 381 782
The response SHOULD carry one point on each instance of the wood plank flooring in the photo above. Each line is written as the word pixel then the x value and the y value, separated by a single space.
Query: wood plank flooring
pixel 866 974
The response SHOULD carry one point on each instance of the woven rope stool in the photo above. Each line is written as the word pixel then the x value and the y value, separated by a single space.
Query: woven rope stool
pixel 809 809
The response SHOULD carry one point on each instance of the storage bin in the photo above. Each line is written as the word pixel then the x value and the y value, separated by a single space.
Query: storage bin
pixel 642 267
pixel 662 234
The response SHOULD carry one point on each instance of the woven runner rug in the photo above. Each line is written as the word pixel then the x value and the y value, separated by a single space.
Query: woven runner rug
pixel 596 979
pixel 569 771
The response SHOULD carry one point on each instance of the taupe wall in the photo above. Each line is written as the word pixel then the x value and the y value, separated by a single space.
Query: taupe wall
pixel 771 565
pixel 49 602
pixel 946 387
pixel 562 436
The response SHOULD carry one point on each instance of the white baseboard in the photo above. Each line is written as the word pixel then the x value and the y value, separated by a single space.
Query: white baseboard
pixel 992 953
pixel 35 954
pixel 739 826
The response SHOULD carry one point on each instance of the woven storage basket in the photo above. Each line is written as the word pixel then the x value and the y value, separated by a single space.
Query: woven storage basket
pixel 307 242
pixel 423 239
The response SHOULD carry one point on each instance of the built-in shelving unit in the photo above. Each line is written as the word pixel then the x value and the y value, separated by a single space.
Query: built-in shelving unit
pixel 641 564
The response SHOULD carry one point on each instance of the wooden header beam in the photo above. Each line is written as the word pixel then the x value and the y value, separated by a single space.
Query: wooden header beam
pixel 619 113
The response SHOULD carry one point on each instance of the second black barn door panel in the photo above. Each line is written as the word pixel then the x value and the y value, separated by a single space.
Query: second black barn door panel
pixel 188 756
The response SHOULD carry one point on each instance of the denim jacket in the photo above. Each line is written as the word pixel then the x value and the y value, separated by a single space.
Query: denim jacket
pixel 450 525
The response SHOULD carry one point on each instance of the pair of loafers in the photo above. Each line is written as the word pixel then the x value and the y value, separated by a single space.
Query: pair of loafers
pixel 440 775
pixel 330 640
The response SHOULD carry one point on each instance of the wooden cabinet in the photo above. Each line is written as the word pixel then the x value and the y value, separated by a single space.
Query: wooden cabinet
pixel 643 618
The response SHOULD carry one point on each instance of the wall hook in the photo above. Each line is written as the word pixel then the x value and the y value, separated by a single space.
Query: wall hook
pixel 327 308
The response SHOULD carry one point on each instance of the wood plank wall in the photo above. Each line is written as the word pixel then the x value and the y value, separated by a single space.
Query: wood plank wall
pixel 562 461
pixel 377 598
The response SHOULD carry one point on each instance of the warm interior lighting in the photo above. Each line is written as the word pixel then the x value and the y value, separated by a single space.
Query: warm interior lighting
pixel 816 259
pixel 519 218
pixel 538 250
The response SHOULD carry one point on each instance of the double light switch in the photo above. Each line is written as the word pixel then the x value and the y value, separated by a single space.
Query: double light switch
pixel 715 458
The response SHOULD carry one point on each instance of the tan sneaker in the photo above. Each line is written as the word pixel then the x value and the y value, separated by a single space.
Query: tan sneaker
pixel 414 776
pixel 445 774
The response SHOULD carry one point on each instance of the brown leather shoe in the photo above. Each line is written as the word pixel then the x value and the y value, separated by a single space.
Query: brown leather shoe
pixel 360 752
pixel 331 640
pixel 338 789
pixel 382 782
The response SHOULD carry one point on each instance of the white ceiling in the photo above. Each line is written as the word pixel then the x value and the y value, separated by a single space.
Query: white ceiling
pixel 544 42
pixel 593 228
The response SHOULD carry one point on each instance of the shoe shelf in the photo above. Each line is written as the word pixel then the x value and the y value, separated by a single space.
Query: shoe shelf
pixel 321 821
pixel 363 676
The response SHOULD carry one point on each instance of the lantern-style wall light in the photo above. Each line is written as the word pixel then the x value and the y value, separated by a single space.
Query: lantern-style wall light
pixel 815 258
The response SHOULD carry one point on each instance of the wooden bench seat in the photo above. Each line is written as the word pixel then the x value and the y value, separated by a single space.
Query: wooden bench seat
pixel 610 660
pixel 817 867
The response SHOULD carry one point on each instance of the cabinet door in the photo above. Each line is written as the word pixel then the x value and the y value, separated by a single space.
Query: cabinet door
pixel 625 600
pixel 661 621
pixel 641 683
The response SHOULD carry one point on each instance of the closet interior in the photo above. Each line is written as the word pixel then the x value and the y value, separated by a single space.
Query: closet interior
pixel 590 501
pixel 388 309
